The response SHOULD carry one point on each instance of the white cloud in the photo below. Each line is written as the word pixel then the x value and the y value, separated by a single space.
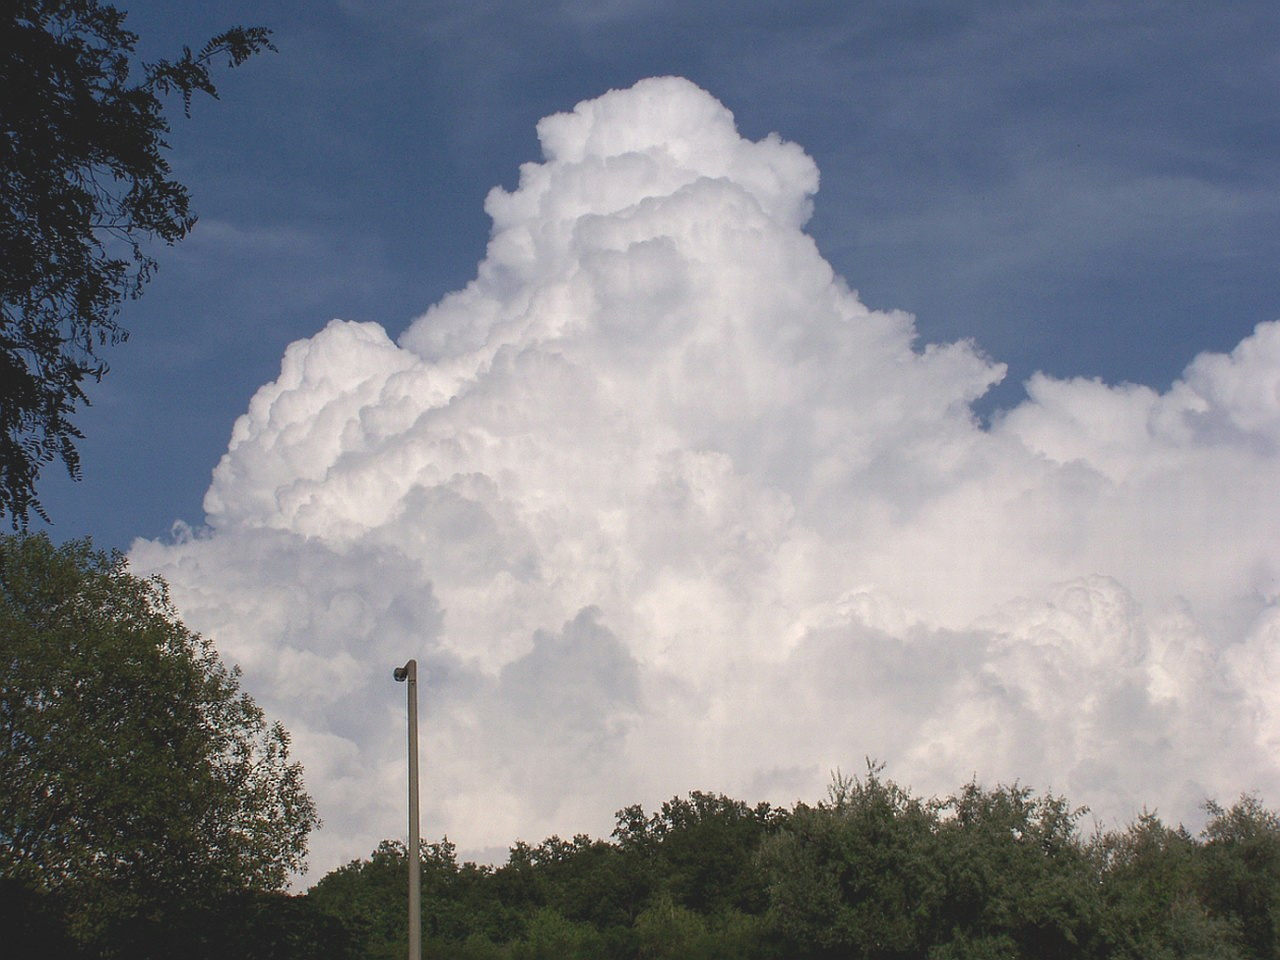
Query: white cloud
pixel 660 505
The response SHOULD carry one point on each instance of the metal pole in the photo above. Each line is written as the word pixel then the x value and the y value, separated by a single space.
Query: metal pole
pixel 410 672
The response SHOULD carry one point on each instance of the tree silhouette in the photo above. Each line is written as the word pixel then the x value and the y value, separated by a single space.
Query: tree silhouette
pixel 84 188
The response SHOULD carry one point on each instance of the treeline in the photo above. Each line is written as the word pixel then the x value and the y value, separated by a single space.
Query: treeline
pixel 870 872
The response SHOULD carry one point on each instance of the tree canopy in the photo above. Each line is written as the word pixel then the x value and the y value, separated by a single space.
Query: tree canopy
pixel 872 872
pixel 84 188
pixel 136 777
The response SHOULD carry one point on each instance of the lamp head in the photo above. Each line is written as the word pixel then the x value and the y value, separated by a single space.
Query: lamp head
pixel 401 674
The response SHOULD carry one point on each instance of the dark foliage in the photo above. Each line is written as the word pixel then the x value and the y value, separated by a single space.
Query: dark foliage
pixel 245 925
pixel 1155 900
pixel 141 791
pixel 1239 872
pixel 870 872
pixel 84 188
pixel 35 923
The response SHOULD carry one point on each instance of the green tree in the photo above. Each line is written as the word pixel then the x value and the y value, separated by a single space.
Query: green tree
pixel 84 188
pixel 1153 904
pixel 1018 880
pixel 703 848
pixel 874 872
pixel 550 936
pixel 1240 872
pixel 135 774
pixel 369 896
pixel 871 872
pixel 857 875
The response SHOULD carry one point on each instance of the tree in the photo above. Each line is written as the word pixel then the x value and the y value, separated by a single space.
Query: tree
pixel 875 872
pixel 84 187
pixel 1154 909
pixel 858 874
pixel 1017 877
pixel 703 848
pixel 135 774
pixel 1240 871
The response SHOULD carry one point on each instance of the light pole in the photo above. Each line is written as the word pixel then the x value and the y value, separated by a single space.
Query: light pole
pixel 410 672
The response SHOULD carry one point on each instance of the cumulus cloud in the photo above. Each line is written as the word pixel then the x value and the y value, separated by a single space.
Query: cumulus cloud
pixel 660 505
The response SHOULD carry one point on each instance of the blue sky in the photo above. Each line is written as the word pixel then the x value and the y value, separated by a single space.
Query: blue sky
pixel 1088 189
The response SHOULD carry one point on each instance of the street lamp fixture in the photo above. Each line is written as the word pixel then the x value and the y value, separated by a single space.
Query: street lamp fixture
pixel 409 672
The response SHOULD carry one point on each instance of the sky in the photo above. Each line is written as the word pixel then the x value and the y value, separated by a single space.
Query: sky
pixel 711 395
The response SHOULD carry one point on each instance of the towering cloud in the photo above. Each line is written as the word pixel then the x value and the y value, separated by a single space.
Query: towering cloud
pixel 660 505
